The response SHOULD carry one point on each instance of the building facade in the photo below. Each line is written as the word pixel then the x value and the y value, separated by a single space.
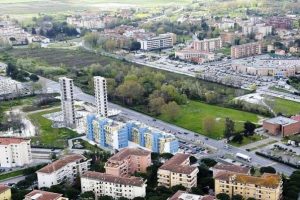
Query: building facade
pixel 5 192
pixel 128 161
pixel 245 50
pixel 116 135
pixel 177 171
pixel 65 169
pixel 207 45
pixel 194 55
pixel 101 96
pixel 281 126
pixel 159 42
pixel 106 184
pixel 268 186
pixel 67 101
pixel 43 195
pixel 14 152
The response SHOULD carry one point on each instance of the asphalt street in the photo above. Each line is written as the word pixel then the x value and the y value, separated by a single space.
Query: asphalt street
pixel 218 145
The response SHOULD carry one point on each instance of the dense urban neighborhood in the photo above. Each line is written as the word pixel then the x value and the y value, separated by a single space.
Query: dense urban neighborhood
pixel 150 100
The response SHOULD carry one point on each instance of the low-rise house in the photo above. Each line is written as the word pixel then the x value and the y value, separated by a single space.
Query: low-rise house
pixel 268 186
pixel 115 186
pixel 65 169
pixel 5 192
pixel 14 152
pixel 43 195
pixel 178 171
pixel 128 161
pixel 281 125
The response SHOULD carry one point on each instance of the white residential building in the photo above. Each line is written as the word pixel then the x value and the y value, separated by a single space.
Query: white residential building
pixel 159 42
pixel 106 184
pixel 67 101
pixel 101 96
pixel 64 169
pixel 14 152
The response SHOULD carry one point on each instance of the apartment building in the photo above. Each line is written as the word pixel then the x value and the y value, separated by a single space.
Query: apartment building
pixel 245 50
pixel 65 169
pixel 43 195
pixel 5 192
pixel 116 135
pixel 9 86
pixel 268 186
pixel 151 138
pixel 13 33
pixel 86 21
pixel 207 45
pixel 162 41
pixel 107 132
pixel 128 161
pixel 194 55
pixel 227 168
pixel 183 195
pixel 67 101
pixel 101 96
pixel 115 186
pixel 14 152
pixel 177 171
pixel 280 22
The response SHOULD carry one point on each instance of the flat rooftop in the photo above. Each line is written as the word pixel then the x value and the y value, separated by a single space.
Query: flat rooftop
pixel 281 120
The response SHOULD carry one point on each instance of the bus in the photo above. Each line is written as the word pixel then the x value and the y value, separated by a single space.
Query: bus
pixel 243 157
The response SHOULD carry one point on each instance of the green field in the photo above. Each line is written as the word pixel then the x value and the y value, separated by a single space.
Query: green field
pixel 192 115
pixel 283 106
pixel 11 174
pixel 48 136
pixel 248 140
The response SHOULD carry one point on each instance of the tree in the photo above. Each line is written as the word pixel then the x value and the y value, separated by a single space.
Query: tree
pixel 238 138
pixel 229 128
pixel 134 46
pixel 87 195
pixel 209 162
pixel 130 90
pixel 166 156
pixel 34 77
pixel 193 160
pixel 249 127
pixel 251 198
pixel 106 198
pixel 209 124
pixel 171 110
pixel 156 104
pixel 237 197
pixel 175 188
pixel 223 196
pixel 267 169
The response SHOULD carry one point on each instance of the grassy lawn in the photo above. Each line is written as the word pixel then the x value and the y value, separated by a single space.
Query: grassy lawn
pixel 11 174
pixel 283 106
pixel 248 140
pixel 193 114
pixel 48 136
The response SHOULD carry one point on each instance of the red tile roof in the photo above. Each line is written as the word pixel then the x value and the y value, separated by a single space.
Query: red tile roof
pixel 11 140
pixel 232 168
pixel 43 195
pixel 56 165
pixel 124 153
pixel 175 164
pixel 135 181
pixel 3 188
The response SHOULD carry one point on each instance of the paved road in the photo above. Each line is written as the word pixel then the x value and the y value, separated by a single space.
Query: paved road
pixel 191 136
pixel 13 180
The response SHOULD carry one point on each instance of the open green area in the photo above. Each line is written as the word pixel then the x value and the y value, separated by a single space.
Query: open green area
pixel 48 136
pixel 11 174
pixel 283 106
pixel 248 140
pixel 192 116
